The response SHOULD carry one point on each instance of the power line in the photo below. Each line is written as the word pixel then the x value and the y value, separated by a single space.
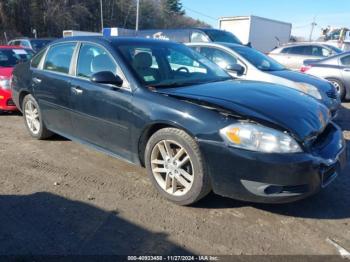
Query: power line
pixel 200 13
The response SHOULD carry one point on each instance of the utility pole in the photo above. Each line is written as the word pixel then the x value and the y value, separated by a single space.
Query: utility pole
pixel 102 26
pixel 313 24
pixel 137 14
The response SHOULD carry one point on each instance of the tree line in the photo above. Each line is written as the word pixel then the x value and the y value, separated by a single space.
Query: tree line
pixel 50 17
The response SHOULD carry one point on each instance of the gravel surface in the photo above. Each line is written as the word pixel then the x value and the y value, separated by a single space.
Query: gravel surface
pixel 59 197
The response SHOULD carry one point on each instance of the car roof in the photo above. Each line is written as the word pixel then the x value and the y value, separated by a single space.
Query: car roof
pixel 116 40
pixel 303 44
pixel 28 38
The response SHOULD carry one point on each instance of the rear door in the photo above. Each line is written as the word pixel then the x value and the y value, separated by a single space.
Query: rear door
pixel 51 84
pixel 101 112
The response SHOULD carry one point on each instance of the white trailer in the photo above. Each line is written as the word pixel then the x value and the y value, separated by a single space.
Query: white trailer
pixel 264 34
pixel 68 33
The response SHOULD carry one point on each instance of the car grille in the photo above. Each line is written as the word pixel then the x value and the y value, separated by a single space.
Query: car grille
pixel 332 93
pixel 10 102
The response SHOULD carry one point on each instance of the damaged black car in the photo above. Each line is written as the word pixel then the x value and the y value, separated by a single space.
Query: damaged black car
pixel 196 130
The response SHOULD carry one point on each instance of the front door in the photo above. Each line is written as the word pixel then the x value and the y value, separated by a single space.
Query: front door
pixel 101 113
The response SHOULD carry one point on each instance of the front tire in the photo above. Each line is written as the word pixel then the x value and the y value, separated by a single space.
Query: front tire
pixel 175 167
pixel 33 119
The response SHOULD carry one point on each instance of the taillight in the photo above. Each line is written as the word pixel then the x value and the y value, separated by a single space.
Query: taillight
pixel 304 69
pixel 5 83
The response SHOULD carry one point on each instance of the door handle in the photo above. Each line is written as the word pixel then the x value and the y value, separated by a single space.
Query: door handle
pixel 36 80
pixel 77 90
pixel 346 69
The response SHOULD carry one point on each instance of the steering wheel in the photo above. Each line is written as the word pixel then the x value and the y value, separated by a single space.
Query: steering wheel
pixel 183 69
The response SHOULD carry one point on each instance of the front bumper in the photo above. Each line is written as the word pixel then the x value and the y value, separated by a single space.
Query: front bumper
pixel 274 178
pixel 6 102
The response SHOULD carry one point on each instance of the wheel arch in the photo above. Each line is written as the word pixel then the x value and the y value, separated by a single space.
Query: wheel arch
pixel 21 97
pixel 150 130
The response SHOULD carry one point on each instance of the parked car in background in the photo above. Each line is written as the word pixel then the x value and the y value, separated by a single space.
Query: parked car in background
pixel 335 69
pixel 162 105
pixel 36 44
pixel 250 64
pixel 188 35
pixel 293 55
pixel 10 56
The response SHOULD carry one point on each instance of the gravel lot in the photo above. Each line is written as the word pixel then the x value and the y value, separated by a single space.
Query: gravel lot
pixel 59 197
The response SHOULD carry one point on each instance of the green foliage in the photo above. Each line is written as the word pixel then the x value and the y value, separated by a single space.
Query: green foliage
pixel 51 17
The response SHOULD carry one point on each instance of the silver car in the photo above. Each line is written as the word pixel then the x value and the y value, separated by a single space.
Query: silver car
pixel 293 55
pixel 335 69
pixel 249 64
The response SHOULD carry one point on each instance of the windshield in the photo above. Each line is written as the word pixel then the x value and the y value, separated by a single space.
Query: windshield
pixel 222 36
pixel 335 50
pixel 258 59
pixel 39 44
pixel 11 57
pixel 169 65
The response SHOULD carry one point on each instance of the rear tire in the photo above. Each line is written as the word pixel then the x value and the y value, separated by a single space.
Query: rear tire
pixel 339 86
pixel 33 119
pixel 175 166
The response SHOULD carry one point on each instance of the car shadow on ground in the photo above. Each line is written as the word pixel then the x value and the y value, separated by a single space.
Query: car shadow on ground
pixel 10 113
pixel 47 224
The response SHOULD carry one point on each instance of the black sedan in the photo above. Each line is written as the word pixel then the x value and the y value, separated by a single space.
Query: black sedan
pixel 161 105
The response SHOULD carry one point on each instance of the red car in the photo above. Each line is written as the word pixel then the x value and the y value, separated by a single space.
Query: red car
pixel 10 56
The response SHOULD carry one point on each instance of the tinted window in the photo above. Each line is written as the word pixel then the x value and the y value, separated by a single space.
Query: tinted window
pixel 93 59
pixel 345 60
pixel 222 36
pixel 39 44
pixel 179 65
pixel 199 37
pixel 59 57
pixel 37 59
pixel 25 43
pixel 258 59
pixel 335 50
pixel 315 51
pixel 296 50
pixel 11 57
pixel 219 57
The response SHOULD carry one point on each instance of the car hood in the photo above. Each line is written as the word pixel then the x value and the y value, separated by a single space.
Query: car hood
pixel 294 76
pixel 6 72
pixel 270 104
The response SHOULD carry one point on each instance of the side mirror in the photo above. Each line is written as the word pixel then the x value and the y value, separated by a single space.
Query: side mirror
pixel 236 68
pixel 106 77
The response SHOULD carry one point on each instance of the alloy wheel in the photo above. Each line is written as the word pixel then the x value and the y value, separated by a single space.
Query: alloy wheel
pixel 32 117
pixel 172 167
pixel 337 86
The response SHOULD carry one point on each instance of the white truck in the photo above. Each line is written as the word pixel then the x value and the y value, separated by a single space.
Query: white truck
pixel 68 33
pixel 262 33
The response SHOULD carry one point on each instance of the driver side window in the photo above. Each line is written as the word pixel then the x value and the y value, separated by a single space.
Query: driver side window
pixel 93 59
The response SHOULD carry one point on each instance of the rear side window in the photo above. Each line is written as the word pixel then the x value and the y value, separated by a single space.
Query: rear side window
pixel 345 60
pixel 296 50
pixel 93 59
pixel 25 43
pixel 59 57
pixel 37 59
